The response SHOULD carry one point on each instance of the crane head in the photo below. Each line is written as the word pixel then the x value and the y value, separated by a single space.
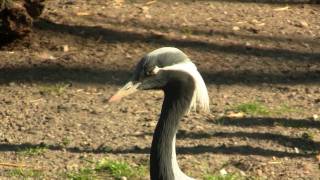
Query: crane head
pixel 157 68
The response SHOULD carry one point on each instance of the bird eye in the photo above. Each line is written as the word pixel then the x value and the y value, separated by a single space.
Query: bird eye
pixel 149 73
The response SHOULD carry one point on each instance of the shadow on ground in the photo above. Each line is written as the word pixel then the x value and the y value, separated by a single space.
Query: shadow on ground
pixel 213 33
pixel 303 143
pixel 200 149
pixel 253 78
pixel 293 142
pixel 265 121
pixel 117 36
pixel 240 150
pixel 55 73
pixel 308 147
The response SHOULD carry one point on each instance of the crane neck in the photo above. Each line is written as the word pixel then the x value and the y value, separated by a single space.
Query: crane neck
pixel 163 163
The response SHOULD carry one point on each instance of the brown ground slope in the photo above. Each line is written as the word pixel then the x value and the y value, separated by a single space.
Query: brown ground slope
pixel 55 85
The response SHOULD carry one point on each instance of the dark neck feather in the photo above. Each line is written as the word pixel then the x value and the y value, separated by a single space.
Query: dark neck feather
pixel 178 96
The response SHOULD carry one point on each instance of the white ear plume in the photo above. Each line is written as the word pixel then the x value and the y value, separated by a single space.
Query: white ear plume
pixel 200 96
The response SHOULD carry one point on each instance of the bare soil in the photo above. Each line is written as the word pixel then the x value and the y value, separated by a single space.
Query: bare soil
pixel 55 83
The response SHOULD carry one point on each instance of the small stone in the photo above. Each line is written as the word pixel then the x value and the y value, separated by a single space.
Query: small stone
pixel 235 115
pixel 93 111
pixel 123 178
pixel 306 45
pixel 150 124
pixel 148 119
pixel 145 8
pixel 242 173
pixel 314 67
pixel 223 172
pixel 307 168
pixel 21 128
pixel 301 24
pixel 235 28
pixel 124 110
pixel 198 127
pixel 253 30
pixel 72 167
pixel 315 117
pixel 304 24
pixel 65 48
pixel 8 140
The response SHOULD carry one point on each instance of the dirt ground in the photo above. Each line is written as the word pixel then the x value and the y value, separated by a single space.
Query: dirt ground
pixel 54 86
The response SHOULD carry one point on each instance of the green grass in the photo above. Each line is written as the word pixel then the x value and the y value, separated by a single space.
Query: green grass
pixel 187 31
pixel 65 141
pixel 308 136
pixel 224 177
pixel 285 109
pixel 25 173
pixel 32 151
pixel 258 109
pixel 252 108
pixel 57 89
pixel 119 169
pixel 105 168
pixel 82 174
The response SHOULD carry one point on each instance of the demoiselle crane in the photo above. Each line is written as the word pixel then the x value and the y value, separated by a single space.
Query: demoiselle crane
pixel 170 70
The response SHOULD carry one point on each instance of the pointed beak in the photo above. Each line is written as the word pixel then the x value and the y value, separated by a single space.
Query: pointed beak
pixel 126 90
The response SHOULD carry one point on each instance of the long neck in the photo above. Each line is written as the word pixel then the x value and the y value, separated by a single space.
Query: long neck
pixel 163 165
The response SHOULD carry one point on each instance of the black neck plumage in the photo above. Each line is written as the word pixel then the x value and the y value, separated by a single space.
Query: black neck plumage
pixel 178 96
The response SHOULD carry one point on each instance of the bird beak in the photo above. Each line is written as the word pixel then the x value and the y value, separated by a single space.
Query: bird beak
pixel 126 90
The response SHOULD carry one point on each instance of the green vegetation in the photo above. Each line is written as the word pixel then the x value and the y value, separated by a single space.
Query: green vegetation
pixel 25 173
pixel 115 168
pixel 252 108
pixel 187 31
pixel 284 108
pixel 108 168
pixel 57 89
pixel 82 174
pixel 32 151
pixel 308 136
pixel 65 141
pixel 224 177
pixel 119 169
pixel 258 109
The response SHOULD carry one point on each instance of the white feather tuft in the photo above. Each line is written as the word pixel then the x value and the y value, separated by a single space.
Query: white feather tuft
pixel 164 50
pixel 200 97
